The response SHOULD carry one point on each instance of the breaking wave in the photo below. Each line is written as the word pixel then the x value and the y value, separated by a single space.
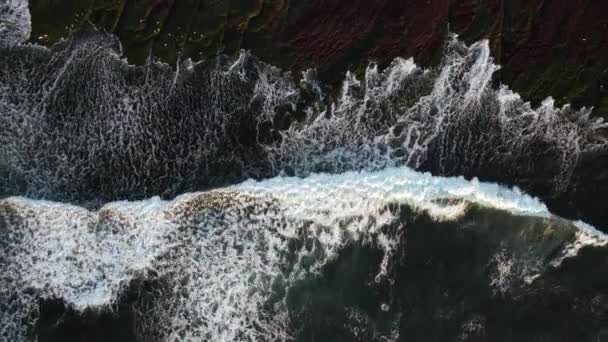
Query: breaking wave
pixel 223 263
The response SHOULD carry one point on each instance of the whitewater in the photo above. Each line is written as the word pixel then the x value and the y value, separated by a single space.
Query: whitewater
pixel 80 124
pixel 219 200
pixel 223 249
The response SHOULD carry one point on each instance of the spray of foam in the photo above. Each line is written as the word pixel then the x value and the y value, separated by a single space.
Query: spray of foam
pixel 219 255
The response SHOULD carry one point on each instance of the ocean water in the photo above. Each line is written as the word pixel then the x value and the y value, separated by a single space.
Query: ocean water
pixel 227 260
pixel 228 200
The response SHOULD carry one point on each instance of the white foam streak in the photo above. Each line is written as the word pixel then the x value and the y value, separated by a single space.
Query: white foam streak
pixel 355 192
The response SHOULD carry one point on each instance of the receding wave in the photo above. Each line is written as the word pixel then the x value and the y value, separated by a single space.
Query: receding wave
pixel 78 123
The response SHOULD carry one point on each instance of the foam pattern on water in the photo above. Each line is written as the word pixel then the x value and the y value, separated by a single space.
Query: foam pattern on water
pixel 219 254
pixel 67 252
pixel 451 118
pixel 15 22
pixel 216 254
pixel 78 123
